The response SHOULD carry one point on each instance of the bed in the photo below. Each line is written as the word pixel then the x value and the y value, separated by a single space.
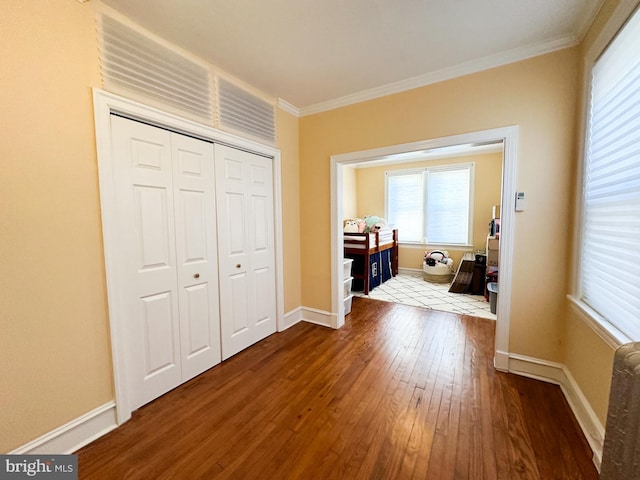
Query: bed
pixel 375 257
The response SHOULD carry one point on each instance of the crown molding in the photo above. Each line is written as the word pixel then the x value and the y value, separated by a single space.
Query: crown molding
pixel 587 22
pixel 287 107
pixel 466 68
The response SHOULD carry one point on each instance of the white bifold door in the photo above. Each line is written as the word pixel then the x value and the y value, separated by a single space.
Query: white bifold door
pixel 194 256
pixel 244 192
pixel 167 270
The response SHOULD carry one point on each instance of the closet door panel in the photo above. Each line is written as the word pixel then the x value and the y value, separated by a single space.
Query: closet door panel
pixel 194 215
pixel 234 258
pixel 236 231
pixel 197 332
pixel 247 278
pixel 157 323
pixel 153 238
pixel 260 188
pixel 238 308
pixel 263 295
pixel 146 266
pixel 196 247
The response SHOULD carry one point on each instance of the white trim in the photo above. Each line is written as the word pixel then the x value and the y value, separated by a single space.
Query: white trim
pixel 318 317
pixel 441 154
pixel 508 135
pixel 587 22
pixel 410 270
pixel 433 246
pixel 287 107
pixel 73 435
pixel 104 105
pixel 307 314
pixel 538 369
pixel 560 375
pixel 337 243
pixel 605 330
pixel 617 20
pixel 501 360
pixel 466 68
pixel 292 317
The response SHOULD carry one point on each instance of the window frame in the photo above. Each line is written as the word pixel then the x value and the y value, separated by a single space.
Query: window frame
pixel 607 331
pixel 470 166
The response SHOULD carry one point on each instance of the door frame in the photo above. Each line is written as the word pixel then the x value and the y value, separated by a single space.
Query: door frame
pixel 509 136
pixel 105 104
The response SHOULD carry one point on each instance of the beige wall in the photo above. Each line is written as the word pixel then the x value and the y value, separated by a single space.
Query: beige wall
pixel 54 346
pixel 586 355
pixel 538 95
pixel 55 351
pixel 288 135
pixel 487 186
pixel 349 193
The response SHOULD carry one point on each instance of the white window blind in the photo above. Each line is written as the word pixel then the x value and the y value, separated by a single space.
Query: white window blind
pixel 447 205
pixel 610 257
pixel 405 204
pixel 431 205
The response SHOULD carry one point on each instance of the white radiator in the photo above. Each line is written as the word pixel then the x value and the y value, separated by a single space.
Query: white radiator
pixel 621 451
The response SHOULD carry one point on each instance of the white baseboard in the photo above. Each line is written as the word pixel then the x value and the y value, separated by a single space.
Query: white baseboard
pixel 73 435
pixel 409 270
pixel 587 418
pixel 292 317
pixel 319 317
pixel 501 361
pixel 559 374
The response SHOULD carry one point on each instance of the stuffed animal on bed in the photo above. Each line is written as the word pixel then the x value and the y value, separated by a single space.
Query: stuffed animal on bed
pixel 370 223
pixel 350 226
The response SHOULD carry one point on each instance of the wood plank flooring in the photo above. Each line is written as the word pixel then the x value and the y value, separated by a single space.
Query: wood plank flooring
pixel 399 392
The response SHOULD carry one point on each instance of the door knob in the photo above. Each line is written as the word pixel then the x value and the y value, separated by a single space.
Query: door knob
pixel 197 275
pixel 238 265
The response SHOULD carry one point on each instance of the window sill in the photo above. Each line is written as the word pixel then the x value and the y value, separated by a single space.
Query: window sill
pixel 605 330
pixel 436 246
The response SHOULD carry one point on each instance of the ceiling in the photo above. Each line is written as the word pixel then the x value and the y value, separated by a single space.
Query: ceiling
pixel 314 54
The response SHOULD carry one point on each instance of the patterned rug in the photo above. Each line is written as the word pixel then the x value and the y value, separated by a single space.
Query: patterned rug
pixel 412 289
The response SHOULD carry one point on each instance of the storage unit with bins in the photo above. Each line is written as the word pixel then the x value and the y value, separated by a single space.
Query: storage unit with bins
pixel 348 281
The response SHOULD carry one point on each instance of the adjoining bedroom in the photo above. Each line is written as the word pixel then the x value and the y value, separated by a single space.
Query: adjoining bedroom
pixel 423 229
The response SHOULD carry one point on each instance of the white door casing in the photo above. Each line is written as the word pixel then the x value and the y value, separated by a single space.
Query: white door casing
pixel 167 256
pixel 244 191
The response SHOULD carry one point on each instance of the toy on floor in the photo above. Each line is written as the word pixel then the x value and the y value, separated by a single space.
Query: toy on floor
pixel 437 266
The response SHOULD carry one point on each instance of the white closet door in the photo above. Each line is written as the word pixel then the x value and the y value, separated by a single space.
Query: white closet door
pixel 147 262
pixel 244 191
pixel 166 237
pixel 196 250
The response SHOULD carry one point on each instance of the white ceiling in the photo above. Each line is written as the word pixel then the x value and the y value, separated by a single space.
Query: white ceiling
pixel 316 53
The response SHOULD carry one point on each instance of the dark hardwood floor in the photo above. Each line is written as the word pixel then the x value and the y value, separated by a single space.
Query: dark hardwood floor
pixel 399 392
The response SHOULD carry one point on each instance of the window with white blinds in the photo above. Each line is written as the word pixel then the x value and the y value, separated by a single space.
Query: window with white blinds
pixel 431 205
pixel 405 204
pixel 610 255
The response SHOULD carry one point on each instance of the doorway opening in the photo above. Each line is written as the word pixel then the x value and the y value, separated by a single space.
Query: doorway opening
pixel 505 136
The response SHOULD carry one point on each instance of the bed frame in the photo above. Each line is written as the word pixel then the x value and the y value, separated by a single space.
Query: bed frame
pixel 365 245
